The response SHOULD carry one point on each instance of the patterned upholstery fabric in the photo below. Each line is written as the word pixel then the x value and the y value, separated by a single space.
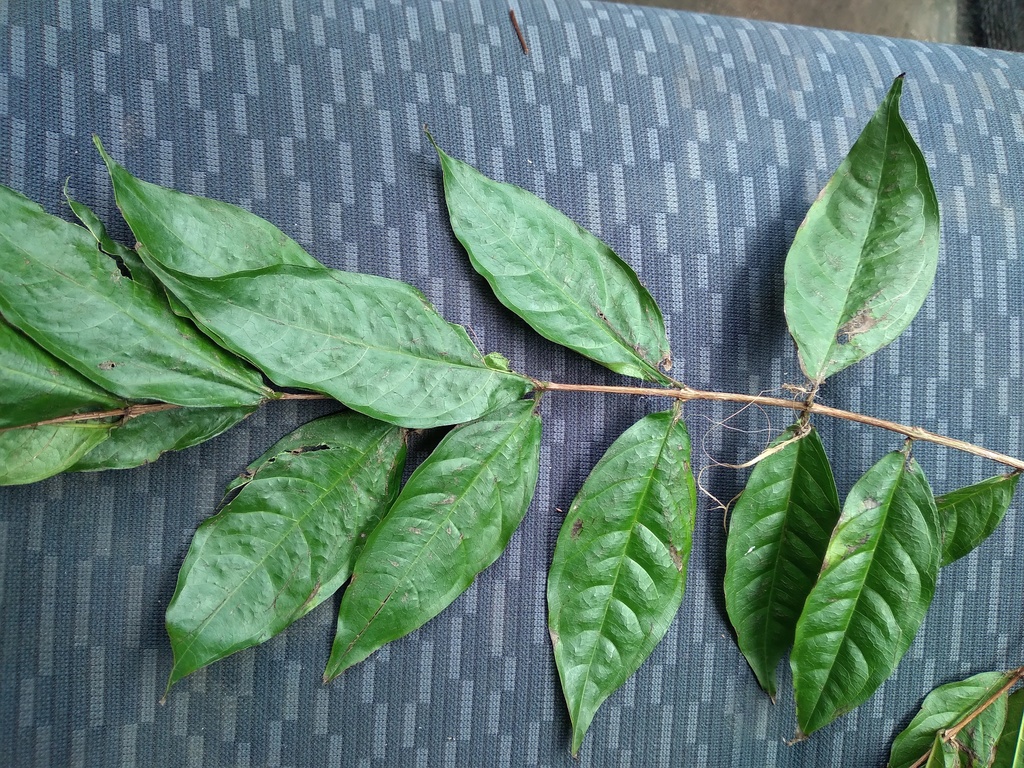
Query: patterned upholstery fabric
pixel 694 145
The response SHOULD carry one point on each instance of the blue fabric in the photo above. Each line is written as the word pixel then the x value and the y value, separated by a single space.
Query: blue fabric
pixel 693 144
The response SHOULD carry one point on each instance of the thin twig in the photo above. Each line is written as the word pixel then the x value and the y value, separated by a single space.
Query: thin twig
pixel 686 394
pixel 951 733
pixel 519 32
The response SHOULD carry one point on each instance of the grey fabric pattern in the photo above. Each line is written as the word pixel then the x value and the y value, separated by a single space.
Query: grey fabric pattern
pixel 693 145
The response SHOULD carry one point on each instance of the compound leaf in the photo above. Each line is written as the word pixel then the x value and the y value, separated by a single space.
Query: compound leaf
pixel 778 532
pixel 142 439
pixel 35 385
pixel 375 344
pixel 72 300
pixel 286 542
pixel 568 285
pixel 619 568
pixel 453 518
pixel 969 515
pixel 30 454
pixel 1010 747
pixel 876 584
pixel 947 706
pixel 864 258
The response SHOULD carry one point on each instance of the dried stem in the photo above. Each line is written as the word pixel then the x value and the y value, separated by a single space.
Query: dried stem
pixel 951 733
pixel 811 407
pixel 682 393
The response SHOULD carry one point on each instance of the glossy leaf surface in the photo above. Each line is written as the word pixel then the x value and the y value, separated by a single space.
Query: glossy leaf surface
pixel 778 531
pixel 875 586
pixel 1010 747
pixel 375 344
pixel 35 385
pixel 142 439
pixel 619 568
pixel 453 518
pixel 72 300
pixel 969 515
pixel 947 706
pixel 864 258
pixel 30 454
pixel 286 542
pixel 568 285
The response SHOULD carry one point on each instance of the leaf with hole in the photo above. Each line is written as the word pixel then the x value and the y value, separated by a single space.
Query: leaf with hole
pixel 875 586
pixel 947 706
pixel 453 518
pixel 970 515
pixel 568 285
pixel 864 258
pixel 778 531
pixel 35 385
pixel 286 542
pixel 619 568
pixel 72 300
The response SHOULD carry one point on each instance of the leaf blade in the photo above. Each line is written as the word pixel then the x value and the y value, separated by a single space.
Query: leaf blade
pixel 453 518
pixel 619 568
pixel 121 335
pixel 280 547
pixel 864 258
pixel 1010 748
pixel 30 454
pixel 565 283
pixel 876 584
pixel 970 515
pixel 778 532
pixel 945 707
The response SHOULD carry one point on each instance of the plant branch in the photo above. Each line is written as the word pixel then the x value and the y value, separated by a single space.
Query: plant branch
pixel 951 733
pixel 686 394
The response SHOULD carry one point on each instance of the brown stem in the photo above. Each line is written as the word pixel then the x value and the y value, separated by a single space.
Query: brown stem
pixel 807 406
pixel 951 733
pixel 140 409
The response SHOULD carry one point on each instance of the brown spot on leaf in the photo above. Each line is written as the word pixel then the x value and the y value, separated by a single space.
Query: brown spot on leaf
pixel 107 365
pixel 309 449
pixel 862 322
pixel 577 526
pixel 871 503
pixel 676 557
pixel 554 637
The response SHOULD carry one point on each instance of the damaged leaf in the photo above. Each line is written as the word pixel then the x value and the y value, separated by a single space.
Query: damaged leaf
pixel 454 517
pixel 619 568
pixel 285 543
pixel 864 258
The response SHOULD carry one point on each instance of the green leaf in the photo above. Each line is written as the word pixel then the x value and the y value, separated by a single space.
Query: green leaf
pixel 1010 748
pixel 864 258
pixel 943 754
pixel 73 301
pixel 30 454
pixel 619 567
pixel 947 706
pixel 454 517
pixel 34 385
pixel 778 532
pixel 142 439
pixel 875 586
pixel 375 344
pixel 568 285
pixel 286 542
pixel 196 235
pixel 969 515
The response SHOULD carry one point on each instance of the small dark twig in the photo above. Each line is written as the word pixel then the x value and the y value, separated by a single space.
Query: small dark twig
pixel 519 32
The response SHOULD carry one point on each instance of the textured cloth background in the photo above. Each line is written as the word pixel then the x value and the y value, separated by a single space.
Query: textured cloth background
pixel 693 145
